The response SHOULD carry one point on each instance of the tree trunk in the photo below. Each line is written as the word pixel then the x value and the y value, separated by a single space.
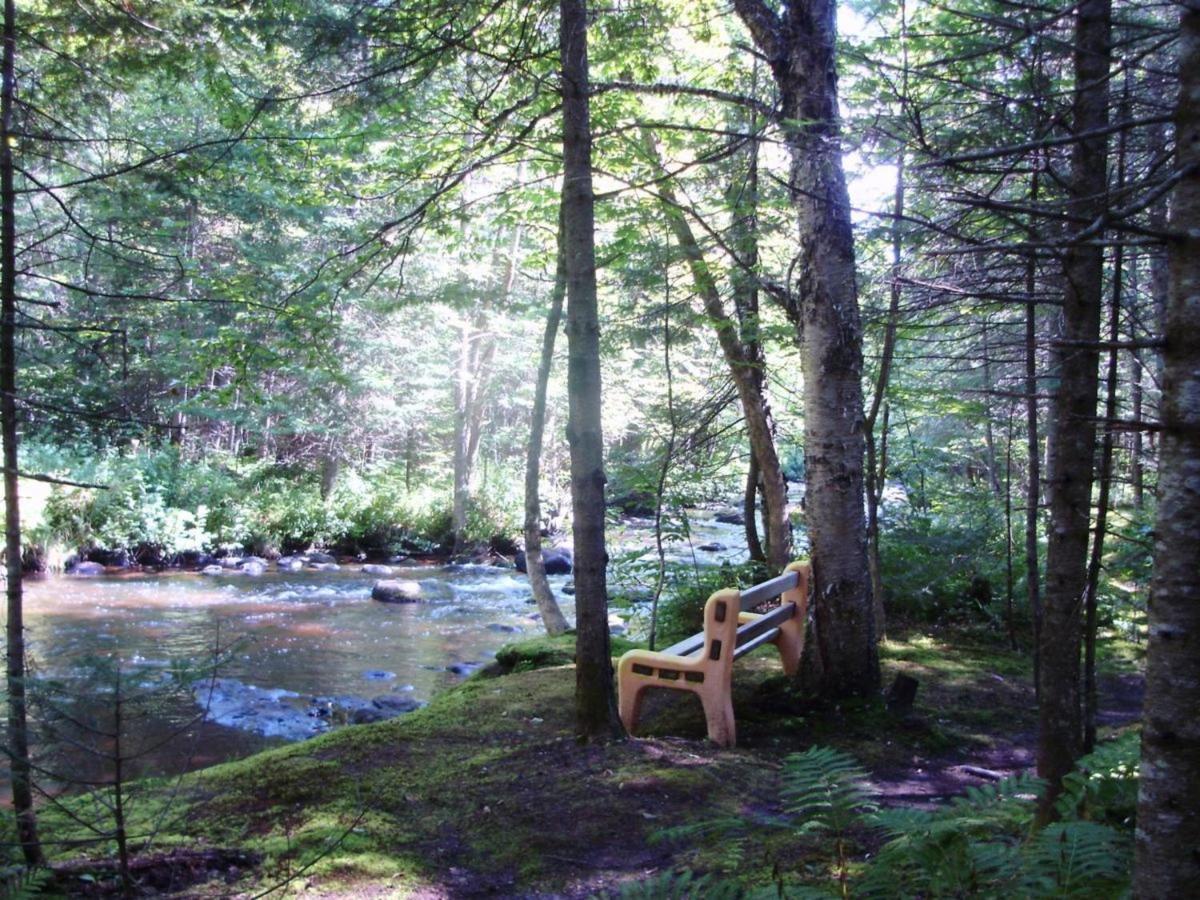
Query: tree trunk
pixel 877 452
pixel 799 42
pixel 595 701
pixel 18 727
pixel 746 374
pixel 749 511
pixel 552 617
pixel 1104 473
pixel 1166 862
pixel 476 352
pixel 1073 436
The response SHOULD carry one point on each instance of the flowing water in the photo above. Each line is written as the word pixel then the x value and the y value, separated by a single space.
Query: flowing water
pixel 300 652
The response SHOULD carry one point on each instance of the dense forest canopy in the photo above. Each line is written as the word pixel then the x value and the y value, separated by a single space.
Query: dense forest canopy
pixel 891 278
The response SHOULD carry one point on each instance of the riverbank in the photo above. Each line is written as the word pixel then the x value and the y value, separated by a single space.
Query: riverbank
pixel 485 791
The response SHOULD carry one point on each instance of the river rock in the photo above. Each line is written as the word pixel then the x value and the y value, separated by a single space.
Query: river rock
pixel 463 668
pixel 569 588
pixel 229 562
pixel 395 705
pixel 86 568
pixel 394 590
pixel 325 566
pixel 252 561
pixel 289 564
pixel 212 570
pixel 317 557
pixel 557 561
pixel 254 567
pixel 502 629
pixel 714 547
pixel 374 569
pixel 731 517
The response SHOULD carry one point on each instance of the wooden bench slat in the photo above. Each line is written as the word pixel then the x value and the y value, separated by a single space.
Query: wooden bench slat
pixel 768 590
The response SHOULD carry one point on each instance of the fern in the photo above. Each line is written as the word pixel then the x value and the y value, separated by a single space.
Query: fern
pixel 20 882
pixel 682 885
pixel 1076 859
pixel 1103 786
pixel 826 790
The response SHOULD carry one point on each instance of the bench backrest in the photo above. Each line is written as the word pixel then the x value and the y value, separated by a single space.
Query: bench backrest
pixel 721 636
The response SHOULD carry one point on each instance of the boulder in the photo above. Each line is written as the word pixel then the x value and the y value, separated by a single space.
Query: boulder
pixel 325 566
pixel 252 561
pixel 229 562
pixel 731 518
pixel 254 567
pixel 374 569
pixel 317 557
pixel 212 570
pixel 289 564
pixel 714 547
pixel 86 568
pixel 394 590
pixel 557 561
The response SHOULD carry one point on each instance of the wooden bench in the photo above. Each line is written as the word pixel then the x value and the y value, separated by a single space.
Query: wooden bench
pixel 703 664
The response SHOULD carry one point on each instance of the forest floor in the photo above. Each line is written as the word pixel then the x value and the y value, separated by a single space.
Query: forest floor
pixel 486 792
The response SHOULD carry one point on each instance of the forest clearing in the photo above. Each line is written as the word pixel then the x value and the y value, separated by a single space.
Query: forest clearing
pixel 417 416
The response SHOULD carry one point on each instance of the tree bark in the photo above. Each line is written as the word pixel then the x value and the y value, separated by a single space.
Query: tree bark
pixel 1104 472
pixel 18 726
pixel 552 617
pixel 1167 861
pixel 595 701
pixel 1073 439
pixel 799 43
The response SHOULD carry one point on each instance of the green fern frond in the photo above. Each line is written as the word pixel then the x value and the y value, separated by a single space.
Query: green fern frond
pixel 825 789
pixel 682 885
pixel 21 882
pixel 1077 859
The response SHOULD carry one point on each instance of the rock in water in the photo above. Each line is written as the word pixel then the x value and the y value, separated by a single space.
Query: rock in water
pixel 373 569
pixel 87 568
pixel 557 561
pixel 396 591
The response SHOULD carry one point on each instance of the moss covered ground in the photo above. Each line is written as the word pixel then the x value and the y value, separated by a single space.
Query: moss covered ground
pixel 487 792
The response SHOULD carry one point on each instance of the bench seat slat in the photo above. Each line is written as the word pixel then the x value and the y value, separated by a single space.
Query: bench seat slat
pixel 768 590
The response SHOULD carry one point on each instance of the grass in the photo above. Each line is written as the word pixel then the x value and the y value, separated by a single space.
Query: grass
pixel 487 790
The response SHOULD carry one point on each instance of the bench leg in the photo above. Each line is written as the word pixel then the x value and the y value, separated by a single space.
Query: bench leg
pixel 629 702
pixel 718 713
pixel 790 643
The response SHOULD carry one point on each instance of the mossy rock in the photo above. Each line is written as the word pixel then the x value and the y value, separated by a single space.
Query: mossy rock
pixel 543 653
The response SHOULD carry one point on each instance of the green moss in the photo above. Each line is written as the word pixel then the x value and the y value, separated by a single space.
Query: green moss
pixel 542 653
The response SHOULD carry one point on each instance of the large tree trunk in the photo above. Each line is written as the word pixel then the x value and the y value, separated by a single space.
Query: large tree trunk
pixel 1073 438
pixel 800 43
pixel 595 700
pixel 18 728
pixel 552 617
pixel 1167 863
